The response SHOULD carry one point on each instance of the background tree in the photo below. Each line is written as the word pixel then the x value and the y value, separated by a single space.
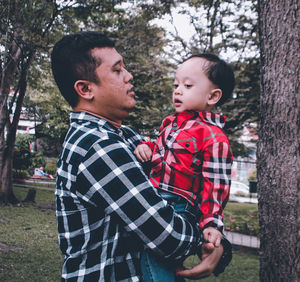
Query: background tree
pixel 142 44
pixel 48 108
pixel 25 36
pixel 279 136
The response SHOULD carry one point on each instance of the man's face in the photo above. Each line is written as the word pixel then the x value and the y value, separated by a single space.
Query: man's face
pixel 113 95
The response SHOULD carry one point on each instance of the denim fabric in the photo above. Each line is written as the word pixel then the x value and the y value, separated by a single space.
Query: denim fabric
pixel 154 268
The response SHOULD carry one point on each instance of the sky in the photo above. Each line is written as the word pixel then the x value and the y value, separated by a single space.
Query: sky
pixel 186 30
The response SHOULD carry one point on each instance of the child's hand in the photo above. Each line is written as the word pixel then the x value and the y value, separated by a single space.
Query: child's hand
pixel 143 152
pixel 212 236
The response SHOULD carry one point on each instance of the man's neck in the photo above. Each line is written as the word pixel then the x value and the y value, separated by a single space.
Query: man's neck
pixel 114 123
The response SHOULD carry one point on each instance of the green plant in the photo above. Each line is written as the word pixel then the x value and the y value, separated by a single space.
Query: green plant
pixel 20 174
pixel 37 160
pixel 51 167
pixel 253 175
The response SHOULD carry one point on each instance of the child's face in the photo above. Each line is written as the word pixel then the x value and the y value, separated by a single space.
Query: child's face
pixel 192 88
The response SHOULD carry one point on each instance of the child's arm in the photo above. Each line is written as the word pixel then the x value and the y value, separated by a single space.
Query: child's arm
pixel 143 152
pixel 216 175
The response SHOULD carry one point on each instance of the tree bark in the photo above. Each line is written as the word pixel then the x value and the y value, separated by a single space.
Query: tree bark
pixel 8 138
pixel 279 138
pixel 6 149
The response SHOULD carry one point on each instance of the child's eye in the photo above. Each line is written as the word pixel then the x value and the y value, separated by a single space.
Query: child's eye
pixel 188 85
pixel 175 85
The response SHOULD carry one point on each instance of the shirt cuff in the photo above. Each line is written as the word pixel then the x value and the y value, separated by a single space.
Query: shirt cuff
pixel 149 143
pixel 215 225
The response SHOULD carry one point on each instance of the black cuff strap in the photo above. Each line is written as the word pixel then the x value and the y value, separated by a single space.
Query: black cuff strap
pixel 212 224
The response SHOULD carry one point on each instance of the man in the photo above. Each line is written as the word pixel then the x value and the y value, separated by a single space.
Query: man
pixel 107 210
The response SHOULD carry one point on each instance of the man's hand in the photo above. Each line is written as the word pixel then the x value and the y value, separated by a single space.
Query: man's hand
pixel 212 236
pixel 210 259
pixel 143 152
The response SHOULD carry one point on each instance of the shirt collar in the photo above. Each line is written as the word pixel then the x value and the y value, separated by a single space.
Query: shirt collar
pixel 83 117
pixel 209 117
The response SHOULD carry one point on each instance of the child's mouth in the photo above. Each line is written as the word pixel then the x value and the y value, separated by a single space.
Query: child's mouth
pixel 177 103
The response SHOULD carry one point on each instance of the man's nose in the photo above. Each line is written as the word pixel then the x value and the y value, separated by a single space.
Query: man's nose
pixel 128 76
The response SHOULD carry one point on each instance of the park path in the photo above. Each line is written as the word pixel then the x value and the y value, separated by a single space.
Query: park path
pixel 242 240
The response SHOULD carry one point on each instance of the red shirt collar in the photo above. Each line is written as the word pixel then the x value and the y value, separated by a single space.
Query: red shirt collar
pixel 209 117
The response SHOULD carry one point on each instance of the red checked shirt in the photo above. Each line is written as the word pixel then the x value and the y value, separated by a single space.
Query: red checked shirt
pixel 192 158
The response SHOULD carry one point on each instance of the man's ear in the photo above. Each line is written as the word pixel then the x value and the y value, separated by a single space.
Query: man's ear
pixel 83 89
pixel 214 96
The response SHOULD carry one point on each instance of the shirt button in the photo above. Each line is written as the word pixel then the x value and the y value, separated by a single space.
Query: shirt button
pixel 187 145
pixel 120 133
pixel 174 124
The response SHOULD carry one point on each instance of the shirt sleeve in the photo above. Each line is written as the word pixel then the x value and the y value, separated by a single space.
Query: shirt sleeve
pixel 111 177
pixel 149 144
pixel 216 171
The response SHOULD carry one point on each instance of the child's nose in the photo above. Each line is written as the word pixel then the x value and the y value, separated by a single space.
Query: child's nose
pixel 178 91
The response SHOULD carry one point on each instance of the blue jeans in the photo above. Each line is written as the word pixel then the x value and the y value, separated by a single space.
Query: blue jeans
pixel 155 268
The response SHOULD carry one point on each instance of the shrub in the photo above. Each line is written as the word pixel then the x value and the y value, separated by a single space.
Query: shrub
pixel 20 174
pixel 37 160
pixel 253 176
pixel 51 167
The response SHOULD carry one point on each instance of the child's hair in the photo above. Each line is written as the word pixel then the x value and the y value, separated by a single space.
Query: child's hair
pixel 219 73
pixel 72 60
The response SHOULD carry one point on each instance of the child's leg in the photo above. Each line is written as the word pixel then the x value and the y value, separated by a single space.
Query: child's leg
pixel 155 268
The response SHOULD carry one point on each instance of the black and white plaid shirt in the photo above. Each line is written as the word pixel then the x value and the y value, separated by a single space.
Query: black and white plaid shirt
pixel 107 209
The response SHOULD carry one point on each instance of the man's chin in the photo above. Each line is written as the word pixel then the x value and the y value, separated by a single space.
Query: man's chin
pixel 127 110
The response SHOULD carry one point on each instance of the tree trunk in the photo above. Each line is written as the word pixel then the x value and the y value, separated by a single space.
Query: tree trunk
pixel 8 138
pixel 6 149
pixel 279 137
pixel 6 191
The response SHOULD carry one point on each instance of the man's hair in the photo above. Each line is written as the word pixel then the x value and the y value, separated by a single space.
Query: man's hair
pixel 72 60
pixel 219 73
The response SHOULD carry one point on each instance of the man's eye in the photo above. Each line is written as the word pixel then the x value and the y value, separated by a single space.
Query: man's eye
pixel 117 70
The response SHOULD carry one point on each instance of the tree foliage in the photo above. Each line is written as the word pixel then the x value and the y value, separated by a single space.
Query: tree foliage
pixel 28 29
pixel 142 47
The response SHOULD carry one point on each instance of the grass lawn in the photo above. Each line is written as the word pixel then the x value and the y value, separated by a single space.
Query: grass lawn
pixel 29 249
pixel 242 218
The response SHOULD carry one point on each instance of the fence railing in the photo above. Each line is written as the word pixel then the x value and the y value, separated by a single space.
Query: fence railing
pixel 35 183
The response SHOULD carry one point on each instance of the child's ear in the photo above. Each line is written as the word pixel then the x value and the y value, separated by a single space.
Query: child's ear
pixel 83 89
pixel 214 97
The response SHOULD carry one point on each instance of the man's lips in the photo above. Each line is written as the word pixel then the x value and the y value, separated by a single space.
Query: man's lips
pixel 130 92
